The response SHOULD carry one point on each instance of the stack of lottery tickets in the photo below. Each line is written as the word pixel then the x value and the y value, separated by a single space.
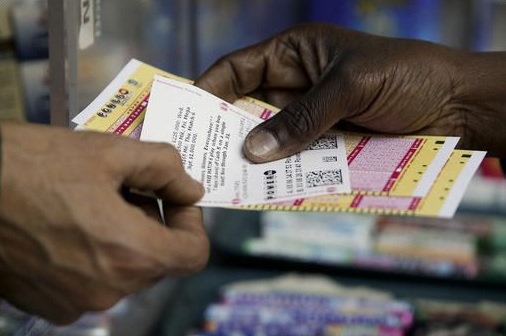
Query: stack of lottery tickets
pixel 340 172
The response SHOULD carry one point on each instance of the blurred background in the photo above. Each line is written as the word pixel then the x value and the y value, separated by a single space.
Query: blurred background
pixel 358 275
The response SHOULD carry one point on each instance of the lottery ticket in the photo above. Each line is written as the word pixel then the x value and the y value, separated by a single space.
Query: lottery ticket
pixel 121 106
pixel 442 200
pixel 380 164
pixel 209 133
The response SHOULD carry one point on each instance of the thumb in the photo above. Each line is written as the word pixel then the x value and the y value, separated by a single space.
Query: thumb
pixel 297 125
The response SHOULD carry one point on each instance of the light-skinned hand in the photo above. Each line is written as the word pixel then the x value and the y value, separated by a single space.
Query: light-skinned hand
pixel 69 241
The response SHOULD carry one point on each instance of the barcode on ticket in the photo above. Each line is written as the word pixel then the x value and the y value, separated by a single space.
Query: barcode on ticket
pixel 326 142
pixel 321 178
pixel 329 159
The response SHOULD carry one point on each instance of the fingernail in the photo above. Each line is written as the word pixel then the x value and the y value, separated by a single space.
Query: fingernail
pixel 262 144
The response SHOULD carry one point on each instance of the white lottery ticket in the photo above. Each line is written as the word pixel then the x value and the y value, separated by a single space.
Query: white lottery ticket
pixel 209 134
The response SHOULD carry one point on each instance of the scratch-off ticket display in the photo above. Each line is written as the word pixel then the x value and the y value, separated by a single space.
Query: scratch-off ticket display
pixel 442 199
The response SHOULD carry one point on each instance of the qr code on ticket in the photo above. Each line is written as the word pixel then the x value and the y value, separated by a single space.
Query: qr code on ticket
pixel 326 142
pixel 321 178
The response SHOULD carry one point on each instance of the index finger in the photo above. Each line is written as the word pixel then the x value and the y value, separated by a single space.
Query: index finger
pixel 291 60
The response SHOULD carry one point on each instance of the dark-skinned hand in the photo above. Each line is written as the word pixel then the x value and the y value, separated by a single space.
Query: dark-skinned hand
pixel 322 75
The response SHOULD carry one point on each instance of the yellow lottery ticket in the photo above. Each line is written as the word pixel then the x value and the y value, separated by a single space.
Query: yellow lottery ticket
pixel 442 199
pixel 383 164
pixel 121 106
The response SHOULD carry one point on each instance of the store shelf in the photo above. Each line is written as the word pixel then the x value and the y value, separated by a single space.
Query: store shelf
pixel 233 228
pixel 186 305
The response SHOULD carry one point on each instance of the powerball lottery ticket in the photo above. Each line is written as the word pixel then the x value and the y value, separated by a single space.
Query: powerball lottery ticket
pixel 442 199
pixel 384 165
pixel 120 108
pixel 209 133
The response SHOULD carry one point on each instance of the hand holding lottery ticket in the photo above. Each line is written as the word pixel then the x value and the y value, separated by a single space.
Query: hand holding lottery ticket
pixel 396 174
pixel 323 74
pixel 69 242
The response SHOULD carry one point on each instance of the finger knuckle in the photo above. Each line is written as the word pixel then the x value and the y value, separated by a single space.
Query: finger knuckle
pixel 302 121
pixel 224 61
pixel 165 148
